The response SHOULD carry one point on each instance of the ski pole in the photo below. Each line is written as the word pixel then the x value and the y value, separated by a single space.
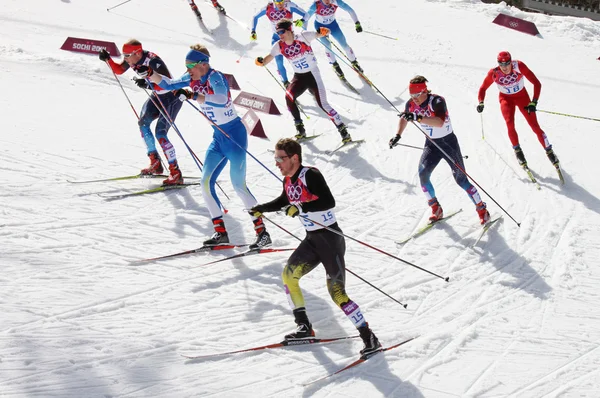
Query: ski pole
pixel 166 115
pixel 566 114
pixel 482 132
pixel 359 277
pixel 360 74
pixel 380 35
pixel 231 139
pixel 464 172
pixel 120 4
pixel 123 90
pixel 284 89
pixel 374 248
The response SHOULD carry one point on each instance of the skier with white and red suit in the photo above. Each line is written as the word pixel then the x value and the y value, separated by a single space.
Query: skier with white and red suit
pixel 510 76
pixel 307 195
pixel 324 11
pixel 297 50
pixel 142 62
pixel 275 11
pixel 431 112
pixel 210 90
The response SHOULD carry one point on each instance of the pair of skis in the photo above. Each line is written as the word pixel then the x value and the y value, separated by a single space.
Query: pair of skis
pixel 305 342
pixel 533 179
pixel 161 188
pixel 485 228
pixel 210 248
pixel 340 146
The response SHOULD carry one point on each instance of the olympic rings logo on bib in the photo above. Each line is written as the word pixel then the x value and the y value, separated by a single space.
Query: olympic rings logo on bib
pixel 327 11
pixel 294 192
pixel 293 50
pixel 277 15
pixel 509 79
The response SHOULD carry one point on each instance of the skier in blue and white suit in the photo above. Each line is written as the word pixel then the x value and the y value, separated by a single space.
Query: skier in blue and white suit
pixel 275 11
pixel 324 11
pixel 230 139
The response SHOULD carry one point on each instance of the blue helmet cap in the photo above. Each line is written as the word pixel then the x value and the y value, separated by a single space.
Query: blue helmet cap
pixel 197 56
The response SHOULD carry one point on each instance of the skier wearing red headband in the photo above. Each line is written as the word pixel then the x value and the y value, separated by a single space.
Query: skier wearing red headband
pixel 143 63
pixel 430 111
pixel 509 77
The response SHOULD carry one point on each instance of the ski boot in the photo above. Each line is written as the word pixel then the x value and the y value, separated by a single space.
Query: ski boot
pixel 552 156
pixel 220 236
pixel 338 70
pixel 155 165
pixel 262 236
pixel 175 177
pixel 356 66
pixel 520 156
pixel 437 213
pixel 343 130
pixel 219 7
pixel 304 329
pixel 484 215
pixel 300 130
pixel 372 344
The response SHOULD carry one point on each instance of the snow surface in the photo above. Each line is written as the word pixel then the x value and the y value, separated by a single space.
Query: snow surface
pixel 520 316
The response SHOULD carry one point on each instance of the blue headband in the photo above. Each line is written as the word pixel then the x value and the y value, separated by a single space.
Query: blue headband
pixel 196 56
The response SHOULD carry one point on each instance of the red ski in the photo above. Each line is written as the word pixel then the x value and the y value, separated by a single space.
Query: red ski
pixel 360 360
pixel 285 343
pixel 250 253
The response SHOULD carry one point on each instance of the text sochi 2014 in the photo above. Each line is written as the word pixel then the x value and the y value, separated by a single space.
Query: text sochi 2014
pixel 88 47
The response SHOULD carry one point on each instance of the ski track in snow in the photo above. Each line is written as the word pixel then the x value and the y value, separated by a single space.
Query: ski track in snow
pixel 519 317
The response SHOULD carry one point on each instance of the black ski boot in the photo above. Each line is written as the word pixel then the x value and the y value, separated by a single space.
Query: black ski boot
pixel 220 236
pixel 356 66
pixel 343 130
pixel 520 156
pixel 262 236
pixel 338 70
pixel 552 156
pixel 304 329
pixel 219 7
pixel 300 130
pixel 372 344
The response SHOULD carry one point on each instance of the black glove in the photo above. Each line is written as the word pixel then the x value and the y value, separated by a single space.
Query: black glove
pixel 103 55
pixel 358 27
pixel 141 83
pixel 394 141
pixel 292 210
pixel 532 106
pixel 480 107
pixel 411 116
pixel 183 94
pixel 256 211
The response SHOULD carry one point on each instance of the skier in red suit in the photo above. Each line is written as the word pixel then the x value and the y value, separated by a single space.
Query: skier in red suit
pixel 509 77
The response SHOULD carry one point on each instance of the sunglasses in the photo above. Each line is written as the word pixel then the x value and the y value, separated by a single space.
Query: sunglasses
pixel 279 159
pixel 504 63
pixel 129 55
pixel 281 31
pixel 417 94
pixel 191 66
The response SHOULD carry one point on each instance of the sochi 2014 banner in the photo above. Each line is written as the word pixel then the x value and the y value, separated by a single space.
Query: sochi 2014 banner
pixel 90 46
pixel 516 24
